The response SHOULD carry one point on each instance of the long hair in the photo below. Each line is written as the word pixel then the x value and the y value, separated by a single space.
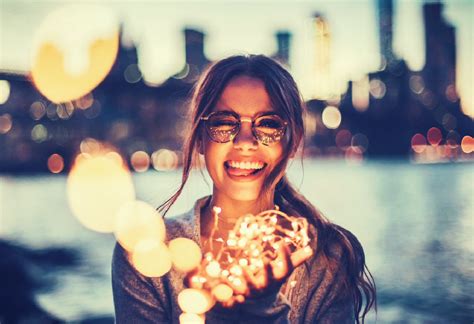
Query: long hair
pixel 286 100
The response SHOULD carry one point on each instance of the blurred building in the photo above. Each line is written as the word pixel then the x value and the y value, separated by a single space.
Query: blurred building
pixel 323 82
pixel 395 112
pixel 124 111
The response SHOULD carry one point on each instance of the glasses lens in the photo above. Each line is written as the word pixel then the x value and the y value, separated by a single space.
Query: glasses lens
pixel 222 127
pixel 269 129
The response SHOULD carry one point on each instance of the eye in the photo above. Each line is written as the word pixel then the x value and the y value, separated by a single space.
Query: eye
pixel 223 122
pixel 269 123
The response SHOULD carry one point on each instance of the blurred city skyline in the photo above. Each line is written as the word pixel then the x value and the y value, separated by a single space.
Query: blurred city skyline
pixel 233 27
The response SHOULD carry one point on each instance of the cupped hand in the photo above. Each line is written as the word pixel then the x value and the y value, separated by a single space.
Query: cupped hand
pixel 269 278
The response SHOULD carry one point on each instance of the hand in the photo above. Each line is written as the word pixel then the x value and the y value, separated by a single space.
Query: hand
pixel 270 277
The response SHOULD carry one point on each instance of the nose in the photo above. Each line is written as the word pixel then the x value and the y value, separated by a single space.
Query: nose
pixel 245 140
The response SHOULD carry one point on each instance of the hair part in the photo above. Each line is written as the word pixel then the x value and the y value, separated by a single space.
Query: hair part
pixel 285 99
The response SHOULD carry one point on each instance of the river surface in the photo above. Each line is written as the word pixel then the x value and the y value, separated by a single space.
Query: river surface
pixel 414 221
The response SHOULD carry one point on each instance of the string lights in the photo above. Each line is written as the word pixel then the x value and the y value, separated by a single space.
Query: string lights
pixel 250 246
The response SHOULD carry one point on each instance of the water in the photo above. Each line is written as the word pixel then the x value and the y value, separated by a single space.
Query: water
pixel 414 221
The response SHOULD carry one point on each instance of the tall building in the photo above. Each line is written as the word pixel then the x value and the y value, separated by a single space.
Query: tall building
pixel 440 54
pixel 282 55
pixel 323 86
pixel 385 18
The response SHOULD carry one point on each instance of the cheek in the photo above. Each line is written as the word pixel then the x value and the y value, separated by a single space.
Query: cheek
pixel 213 155
pixel 276 153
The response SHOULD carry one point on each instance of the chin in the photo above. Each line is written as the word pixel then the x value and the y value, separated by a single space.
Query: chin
pixel 244 194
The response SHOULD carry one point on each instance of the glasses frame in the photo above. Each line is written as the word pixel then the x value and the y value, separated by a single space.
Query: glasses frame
pixel 241 120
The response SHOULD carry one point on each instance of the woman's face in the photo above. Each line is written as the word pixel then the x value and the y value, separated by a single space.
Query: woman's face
pixel 239 167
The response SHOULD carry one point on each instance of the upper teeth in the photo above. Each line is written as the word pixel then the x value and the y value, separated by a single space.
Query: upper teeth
pixel 246 165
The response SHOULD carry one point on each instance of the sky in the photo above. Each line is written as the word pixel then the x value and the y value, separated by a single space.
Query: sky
pixel 234 27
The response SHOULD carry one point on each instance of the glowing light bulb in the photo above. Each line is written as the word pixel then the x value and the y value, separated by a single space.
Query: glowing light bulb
pixel 213 269
pixel 74 50
pixel 189 318
pixel 137 221
pixel 185 254
pixel 222 292
pixel 97 187
pixel 151 258
pixel 196 301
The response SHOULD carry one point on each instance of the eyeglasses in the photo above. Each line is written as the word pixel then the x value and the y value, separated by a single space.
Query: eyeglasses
pixel 223 126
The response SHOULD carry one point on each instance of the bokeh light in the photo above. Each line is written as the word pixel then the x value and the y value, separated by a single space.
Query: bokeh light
pixel 343 139
pixel 55 163
pixel 6 123
pixel 360 94
pixel 164 160
pixel 418 143
pixel 417 85
pixel 98 185
pixel 37 110
pixel 189 318
pixel 65 110
pixel 331 117
pixel 90 146
pixel 85 102
pixel 222 292
pixel 136 221
pixel 451 93
pixel 434 136
pixel 132 73
pixel 4 91
pixel 140 161
pixel 196 301
pixel 361 141
pixel 467 144
pixel 354 155
pixel 185 254
pixel 453 139
pixel 151 258
pixel 377 88
pixel 74 50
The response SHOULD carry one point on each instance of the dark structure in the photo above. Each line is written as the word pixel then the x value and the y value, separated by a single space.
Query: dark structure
pixel 402 103
pixel 132 115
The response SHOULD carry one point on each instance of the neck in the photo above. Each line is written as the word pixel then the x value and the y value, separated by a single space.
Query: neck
pixel 232 209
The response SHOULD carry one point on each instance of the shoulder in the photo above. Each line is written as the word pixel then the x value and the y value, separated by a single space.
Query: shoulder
pixel 186 224
pixel 180 225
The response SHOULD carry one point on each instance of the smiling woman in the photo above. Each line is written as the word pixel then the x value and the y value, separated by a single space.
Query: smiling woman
pixel 247 122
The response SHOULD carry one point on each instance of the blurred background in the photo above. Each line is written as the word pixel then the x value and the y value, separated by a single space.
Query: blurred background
pixel 388 150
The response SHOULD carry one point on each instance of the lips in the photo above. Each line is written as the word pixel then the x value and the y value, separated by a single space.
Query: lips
pixel 244 169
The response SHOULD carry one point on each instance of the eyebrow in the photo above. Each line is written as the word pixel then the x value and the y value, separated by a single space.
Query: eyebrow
pixel 257 114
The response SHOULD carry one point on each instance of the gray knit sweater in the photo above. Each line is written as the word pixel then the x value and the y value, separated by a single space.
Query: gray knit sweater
pixel 314 298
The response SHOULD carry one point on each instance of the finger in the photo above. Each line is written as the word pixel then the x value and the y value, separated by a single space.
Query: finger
pixel 192 280
pixel 238 284
pixel 257 281
pixel 282 265
pixel 301 255
pixel 228 303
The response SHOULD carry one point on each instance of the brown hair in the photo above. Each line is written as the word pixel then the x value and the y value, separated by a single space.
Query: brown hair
pixel 286 99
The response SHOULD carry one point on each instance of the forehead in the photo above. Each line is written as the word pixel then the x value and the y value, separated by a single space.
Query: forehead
pixel 246 96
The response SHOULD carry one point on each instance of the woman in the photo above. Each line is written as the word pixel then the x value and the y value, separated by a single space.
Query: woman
pixel 247 122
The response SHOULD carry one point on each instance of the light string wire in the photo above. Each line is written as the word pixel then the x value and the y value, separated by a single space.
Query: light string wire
pixel 253 243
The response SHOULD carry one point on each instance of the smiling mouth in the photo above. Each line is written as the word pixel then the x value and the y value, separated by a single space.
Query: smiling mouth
pixel 244 169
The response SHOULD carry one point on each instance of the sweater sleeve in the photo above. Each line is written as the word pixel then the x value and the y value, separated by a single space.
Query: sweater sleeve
pixel 135 298
pixel 271 307
pixel 329 300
